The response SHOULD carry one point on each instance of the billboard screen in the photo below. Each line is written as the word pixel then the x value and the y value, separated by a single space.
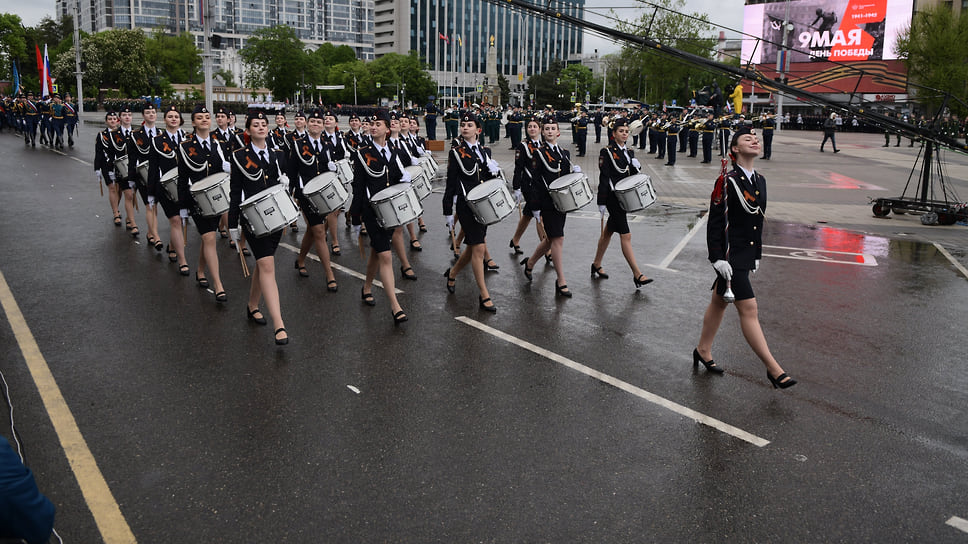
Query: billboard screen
pixel 825 30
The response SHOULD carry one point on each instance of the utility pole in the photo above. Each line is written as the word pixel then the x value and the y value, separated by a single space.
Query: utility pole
pixel 207 52
pixel 77 64
pixel 782 63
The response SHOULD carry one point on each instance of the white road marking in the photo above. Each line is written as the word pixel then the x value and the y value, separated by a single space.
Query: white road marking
pixel 353 389
pixel 958 523
pixel 624 386
pixel 341 268
pixel 958 265
pixel 682 243
pixel 821 255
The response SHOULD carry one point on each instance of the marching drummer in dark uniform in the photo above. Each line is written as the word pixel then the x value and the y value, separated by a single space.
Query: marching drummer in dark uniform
pixel 337 148
pixel 163 159
pixel 104 155
pixel 309 158
pixel 549 163
pixel 395 143
pixel 139 151
pixel 376 168
pixel 734 239
pixel 616 162
pixel 469 165
pixel 522 181
pixel 200 156
pixel 581 132
pixel 277 138
pixel 256 167
pixel 120 139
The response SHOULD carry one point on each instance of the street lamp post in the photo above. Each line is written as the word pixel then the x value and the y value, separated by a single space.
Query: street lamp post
pixel 354 85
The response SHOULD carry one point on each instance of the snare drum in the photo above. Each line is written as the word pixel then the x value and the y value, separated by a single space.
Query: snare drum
pixel 169 183
pixel 396 205
pixel 420 181
pixel 635 193
pixel 570 192
pixel 429 169
pixel 325 193
pixel 211 194
pixel 344 169
pixel 121 166
pixel 143 171
pixel 268 211
pixel 490 201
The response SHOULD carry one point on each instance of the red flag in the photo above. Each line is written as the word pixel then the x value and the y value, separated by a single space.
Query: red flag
pixel 40 66
pixel 445 38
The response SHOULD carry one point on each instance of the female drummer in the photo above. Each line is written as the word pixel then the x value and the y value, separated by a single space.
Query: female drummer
pixel 616 162
pixel 549 163
pixel 256 167
pixel 104 156
pixel 413 149
pixel 336 148
pixel 164 158
pixel 126 184
pixel 309 158
pixel 139 151
pixel 468 165
pixel 734 239
pixel 400 151
pixel 200 156
pixel 522 180
pixel 376 168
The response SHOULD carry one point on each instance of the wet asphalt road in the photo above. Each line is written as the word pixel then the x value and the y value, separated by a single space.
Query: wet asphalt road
pixel 205 431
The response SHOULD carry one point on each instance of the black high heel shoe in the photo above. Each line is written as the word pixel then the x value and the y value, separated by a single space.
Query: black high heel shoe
pixel 779 382
pixel 367 298
pixel 411 276
pixel 281 341
pixel 710 365
pixel 489 267
pixel 302 269
pixel 641 280
pixel 451 282
pixel 492 308
pixel 399 317
pixel 202 282
pixel 561 290
pixel 548 259
pixel 259 320
pixel 527 271
pixel 515 247
pixel 172 254
pixel 597 270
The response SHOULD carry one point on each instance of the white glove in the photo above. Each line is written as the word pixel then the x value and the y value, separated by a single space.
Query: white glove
pixel 421 152
pixel 284 180
pixel 536 214
pixel 151 201
pixel 576 169
pixel 450 222
pixel 427 151
pixel 493 166
pixel 406 177
pixel 357 229
pixel 234 236
pixel 331 165
pixel 636 163
pixel 226 167
pixel 99 176
pixel 183 213
pixel 518 197
pixel 756 265
pixel 723 269
pixel 131 185
pixel 111 176
pixel 601 210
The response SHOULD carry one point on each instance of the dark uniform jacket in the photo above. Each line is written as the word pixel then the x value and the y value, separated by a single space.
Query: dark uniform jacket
pixel 196 164
pixel 372 174
pixel 250 175
pixel 613 167
pixel 139 150
pixel 465 170
pixel 547 166
pixel 163 158
pixel 523 161
pixel 305 163
pixel 742 203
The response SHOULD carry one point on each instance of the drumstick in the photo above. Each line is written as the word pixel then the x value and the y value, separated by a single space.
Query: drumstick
pixel 245 267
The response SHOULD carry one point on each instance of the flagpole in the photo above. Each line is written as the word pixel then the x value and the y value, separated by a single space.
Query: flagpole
pixel 77 66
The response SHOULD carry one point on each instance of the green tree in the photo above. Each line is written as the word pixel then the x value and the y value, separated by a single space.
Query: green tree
pixel 115 59
pixel 934 49
pixel 13 46
pixel 174 58
pixel 578 80
pixel 393 69
pixel 647 74
pixel 275 58
pixel 226 76
pixel 57 34
pixel 505 86
pixel 548 87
